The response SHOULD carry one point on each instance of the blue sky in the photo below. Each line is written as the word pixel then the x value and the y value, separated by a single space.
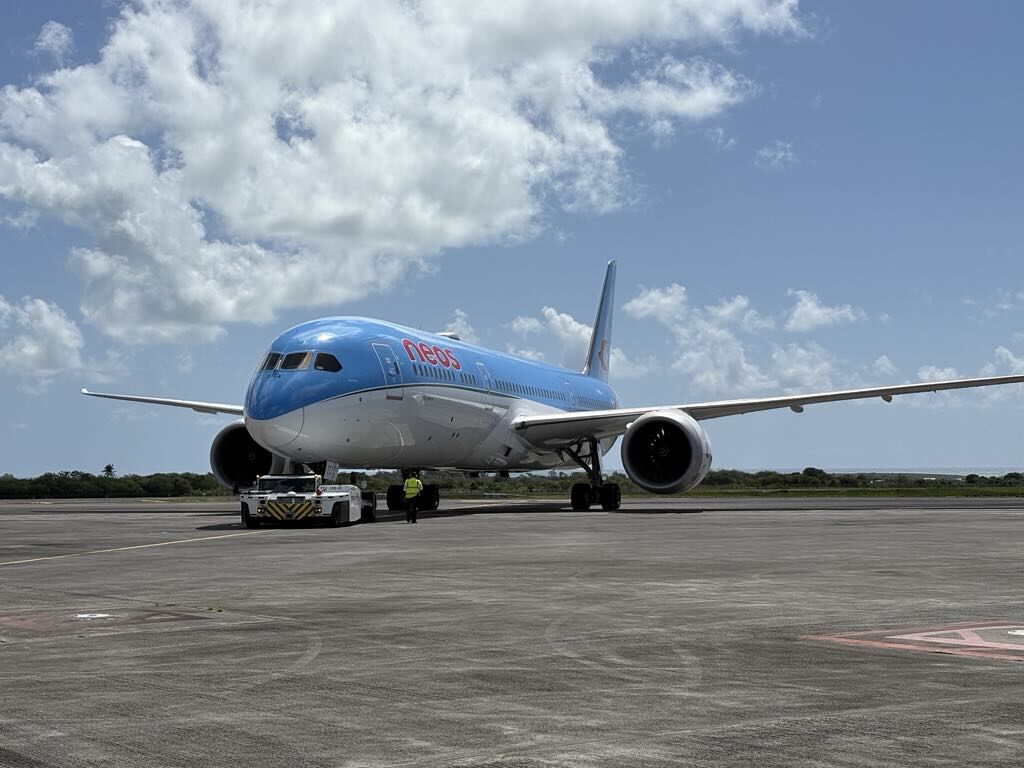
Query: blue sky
pixel 800 197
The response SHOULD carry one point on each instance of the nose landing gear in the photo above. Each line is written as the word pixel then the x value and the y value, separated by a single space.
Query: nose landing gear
pixel 583 495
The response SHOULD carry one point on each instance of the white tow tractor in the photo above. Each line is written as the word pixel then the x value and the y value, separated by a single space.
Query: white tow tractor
pixel 277 498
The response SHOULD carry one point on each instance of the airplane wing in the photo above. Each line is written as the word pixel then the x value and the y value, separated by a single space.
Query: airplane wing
pixel 561 429
pixel 235 410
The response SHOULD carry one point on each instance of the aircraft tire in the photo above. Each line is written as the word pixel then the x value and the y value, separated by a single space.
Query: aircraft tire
pixel 396 498
pixel 431 497
pixel 611 496
pixel 580 497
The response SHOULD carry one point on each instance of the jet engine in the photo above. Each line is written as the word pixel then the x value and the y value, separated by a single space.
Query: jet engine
pixel 236 459
pixel 666 451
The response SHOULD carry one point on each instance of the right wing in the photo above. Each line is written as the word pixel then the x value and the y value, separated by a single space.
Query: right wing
pixel 558 430
pixel 234 410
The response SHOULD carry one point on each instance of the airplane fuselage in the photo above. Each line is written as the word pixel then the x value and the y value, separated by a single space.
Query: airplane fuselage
pixel 367 393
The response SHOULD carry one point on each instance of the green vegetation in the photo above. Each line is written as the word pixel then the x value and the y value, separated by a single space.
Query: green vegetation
pixel 723 482
pixel 82 485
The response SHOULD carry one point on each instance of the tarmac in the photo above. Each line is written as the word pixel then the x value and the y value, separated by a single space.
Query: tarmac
pixel 698 632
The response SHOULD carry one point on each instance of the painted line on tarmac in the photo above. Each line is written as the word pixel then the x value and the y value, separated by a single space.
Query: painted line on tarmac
pixel 136 546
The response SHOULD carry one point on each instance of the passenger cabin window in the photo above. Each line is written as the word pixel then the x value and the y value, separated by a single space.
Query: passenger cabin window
pixel 326 362
pixel 270 361
pixel 296 361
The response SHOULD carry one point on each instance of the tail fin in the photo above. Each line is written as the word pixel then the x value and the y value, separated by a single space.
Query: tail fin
pixel 601 336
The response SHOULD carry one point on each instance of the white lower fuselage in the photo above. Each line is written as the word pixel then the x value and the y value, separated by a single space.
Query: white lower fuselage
pixel 423 425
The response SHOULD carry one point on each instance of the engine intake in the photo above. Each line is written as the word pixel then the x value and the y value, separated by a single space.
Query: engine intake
pixel 236 459
pixel 666 451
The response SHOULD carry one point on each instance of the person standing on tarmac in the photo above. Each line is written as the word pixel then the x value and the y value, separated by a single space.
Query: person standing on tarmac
pixel 413 489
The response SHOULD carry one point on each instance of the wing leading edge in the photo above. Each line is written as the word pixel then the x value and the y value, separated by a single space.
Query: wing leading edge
pixel 234 410
pixel 556 430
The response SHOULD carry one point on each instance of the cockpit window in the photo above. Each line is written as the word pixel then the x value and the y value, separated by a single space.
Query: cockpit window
pixel 296 361
pixel 326 362
pixel 270 361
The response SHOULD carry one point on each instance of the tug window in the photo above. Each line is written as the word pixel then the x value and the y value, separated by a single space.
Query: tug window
pixel 270 361
pixel 296 361
pixel 326 362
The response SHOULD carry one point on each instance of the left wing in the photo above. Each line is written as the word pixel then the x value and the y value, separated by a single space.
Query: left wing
pixel 561 429
pixel 235 410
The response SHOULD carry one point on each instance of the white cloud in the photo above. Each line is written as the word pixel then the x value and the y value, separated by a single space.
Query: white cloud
pixel 737 311
pixel 530 354
pixel 935 373
pixel 461 327
pixel 809 313
pixel 666 305
pixel 1010 360
pixel 573 335
pixel 720 138
pixel 707 350
pixel 38 342
pixel 56 40
pixel 224 155
pixel 798 367
pixel 526 325
pixel 883 366
pixel 776 156
pixel 573 339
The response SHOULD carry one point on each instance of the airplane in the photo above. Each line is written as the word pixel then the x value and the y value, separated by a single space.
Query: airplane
pixel 369 394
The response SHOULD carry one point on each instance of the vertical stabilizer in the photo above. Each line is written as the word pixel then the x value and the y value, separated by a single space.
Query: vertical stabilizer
pixel 601 337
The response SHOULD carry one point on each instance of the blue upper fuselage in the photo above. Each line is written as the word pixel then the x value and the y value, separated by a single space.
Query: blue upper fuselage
pixel 338 356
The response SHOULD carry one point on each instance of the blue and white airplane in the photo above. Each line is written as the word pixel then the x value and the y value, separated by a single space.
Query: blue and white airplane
pixel 375 395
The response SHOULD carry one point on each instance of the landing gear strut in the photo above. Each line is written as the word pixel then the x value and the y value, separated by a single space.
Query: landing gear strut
pixel 597 491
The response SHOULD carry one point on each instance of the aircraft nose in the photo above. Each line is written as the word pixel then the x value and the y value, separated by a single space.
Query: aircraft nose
pixel 279 431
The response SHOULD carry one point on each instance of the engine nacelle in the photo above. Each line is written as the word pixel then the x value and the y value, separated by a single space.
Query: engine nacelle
pixel 666 451
pixel 237 460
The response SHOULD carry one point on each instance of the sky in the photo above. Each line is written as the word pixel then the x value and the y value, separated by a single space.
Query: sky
pixel 800 196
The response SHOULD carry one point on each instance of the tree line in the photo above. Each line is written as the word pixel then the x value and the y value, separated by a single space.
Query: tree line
pixel 107 484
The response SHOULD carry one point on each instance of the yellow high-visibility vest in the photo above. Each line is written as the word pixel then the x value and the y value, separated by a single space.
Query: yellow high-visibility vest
pixel 413 487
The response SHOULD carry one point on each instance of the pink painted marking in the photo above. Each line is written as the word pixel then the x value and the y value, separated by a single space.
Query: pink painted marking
pixel 967 637
pixel 951 651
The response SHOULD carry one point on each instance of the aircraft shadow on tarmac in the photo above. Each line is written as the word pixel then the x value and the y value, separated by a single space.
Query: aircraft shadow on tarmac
pixel 517 509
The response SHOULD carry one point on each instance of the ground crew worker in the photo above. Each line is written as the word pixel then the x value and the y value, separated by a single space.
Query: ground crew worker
pixel 413 489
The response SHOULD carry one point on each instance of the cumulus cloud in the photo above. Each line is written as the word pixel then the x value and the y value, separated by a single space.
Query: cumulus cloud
pixel 56 40
pixel 232 159
pixel 573 339
pixel 804 366
pixel 935 373
pixel 776 156
pixel 809 313
pixel 529 354
pixel 884 366
pixel 707 348
pixel 38 342
pixel 1011 361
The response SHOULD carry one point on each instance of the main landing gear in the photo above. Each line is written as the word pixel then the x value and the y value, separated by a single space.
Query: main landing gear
pixel 430 499
pixel 597 491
